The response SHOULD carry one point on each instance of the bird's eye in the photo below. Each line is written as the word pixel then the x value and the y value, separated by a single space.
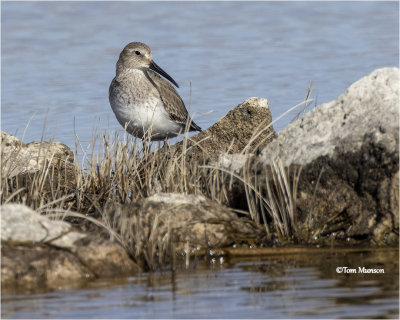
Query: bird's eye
pixel 137 53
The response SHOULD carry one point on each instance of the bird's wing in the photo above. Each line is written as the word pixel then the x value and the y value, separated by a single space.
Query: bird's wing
pixel 114 89
pixel 172 101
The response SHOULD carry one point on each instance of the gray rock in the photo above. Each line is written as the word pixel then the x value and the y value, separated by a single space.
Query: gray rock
pixel 68 240
pixel 41 253
pixel 177 198
pixel 348 152
pixel 20 158
pixel 369 106
pixel 20 224
pixel 36 172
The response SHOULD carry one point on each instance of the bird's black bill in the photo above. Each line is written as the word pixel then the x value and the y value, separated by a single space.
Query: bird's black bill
pixel 156 68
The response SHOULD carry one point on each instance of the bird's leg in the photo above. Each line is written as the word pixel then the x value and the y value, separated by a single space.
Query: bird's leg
pixel 145 148
pixel 164 144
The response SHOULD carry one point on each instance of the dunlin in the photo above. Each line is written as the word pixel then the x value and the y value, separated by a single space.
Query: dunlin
pixel 144 103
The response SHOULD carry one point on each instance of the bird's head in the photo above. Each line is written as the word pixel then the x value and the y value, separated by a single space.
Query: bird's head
pixel 137 55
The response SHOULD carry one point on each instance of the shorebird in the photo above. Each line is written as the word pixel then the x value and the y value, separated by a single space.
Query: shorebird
pixel 146 104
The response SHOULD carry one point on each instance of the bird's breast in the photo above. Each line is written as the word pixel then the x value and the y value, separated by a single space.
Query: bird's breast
pixel 138 106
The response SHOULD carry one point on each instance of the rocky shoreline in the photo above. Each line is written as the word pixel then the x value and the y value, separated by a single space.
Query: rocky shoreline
pixel 329 178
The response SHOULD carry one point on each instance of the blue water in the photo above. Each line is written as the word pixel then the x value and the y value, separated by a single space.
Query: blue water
pixel 58 58
pixel 292 286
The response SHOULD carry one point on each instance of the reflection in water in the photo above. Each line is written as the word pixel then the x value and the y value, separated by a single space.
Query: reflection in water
pixel 281 286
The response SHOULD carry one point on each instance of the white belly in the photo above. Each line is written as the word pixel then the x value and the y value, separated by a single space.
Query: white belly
pixel 148 117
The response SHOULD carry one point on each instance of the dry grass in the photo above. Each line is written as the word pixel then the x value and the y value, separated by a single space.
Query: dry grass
pixel 39 189
pixel 122 170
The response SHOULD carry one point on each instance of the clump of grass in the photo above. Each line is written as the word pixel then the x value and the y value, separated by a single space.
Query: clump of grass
pixel 122 170
pixel 280 199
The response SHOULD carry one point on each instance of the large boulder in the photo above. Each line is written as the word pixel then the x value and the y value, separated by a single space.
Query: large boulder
pixel 41 253
pixel 348 151
pixel 367 110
